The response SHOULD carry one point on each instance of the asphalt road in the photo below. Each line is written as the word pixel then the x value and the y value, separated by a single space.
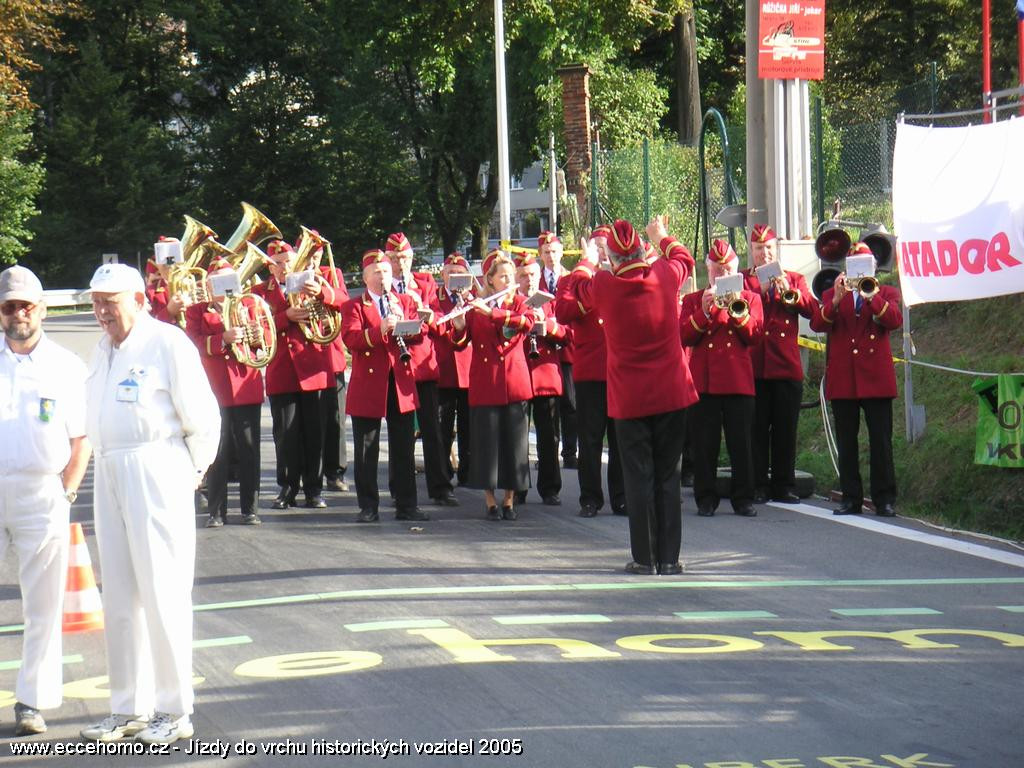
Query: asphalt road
pixel 793 639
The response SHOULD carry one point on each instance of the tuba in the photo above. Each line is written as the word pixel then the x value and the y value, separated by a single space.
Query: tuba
pixel 198 248
pixel 254 228
pixel 251 313
pixel 324 323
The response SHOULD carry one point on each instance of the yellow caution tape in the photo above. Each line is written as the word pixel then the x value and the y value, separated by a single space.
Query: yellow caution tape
pixel 507 245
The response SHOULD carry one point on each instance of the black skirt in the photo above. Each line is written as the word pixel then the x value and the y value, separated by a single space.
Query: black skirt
pixel 499 447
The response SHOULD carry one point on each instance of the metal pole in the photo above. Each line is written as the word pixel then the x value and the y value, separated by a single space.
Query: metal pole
pixel 820 148
pixel 883 155
pixel 933 91
pixel 552 184
pixel 1020 61
pixel 647 180
pixel 986 54
pixel 504 209
pixel 757 190
pixel 595 177
pixel 778 214
pixel 806 216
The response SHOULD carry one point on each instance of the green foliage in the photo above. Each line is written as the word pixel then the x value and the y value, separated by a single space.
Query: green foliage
pixel 629 105
pixel 20 180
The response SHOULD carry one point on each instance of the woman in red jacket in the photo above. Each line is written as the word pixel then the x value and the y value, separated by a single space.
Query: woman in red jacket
pixel 499 387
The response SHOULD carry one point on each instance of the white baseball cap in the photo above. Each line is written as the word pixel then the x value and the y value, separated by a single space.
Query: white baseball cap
pixel 117 278
pixel 20 284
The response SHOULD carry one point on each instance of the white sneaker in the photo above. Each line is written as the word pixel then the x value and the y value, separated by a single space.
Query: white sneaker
pixel 114 727
pixel 165 729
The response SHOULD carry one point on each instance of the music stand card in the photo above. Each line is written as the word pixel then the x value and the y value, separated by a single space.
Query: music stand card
pixel 425 314
pixel 460 282
pixel 407 327
pixel 296 281
pixel 226 284
pixel 168 252
pixel 728 285
pixel 860 266
pixel 539 299
pixel 768 272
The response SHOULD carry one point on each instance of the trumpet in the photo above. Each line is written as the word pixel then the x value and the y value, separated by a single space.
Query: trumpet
pixel 737 307
pixel 866 287
pixel 251 313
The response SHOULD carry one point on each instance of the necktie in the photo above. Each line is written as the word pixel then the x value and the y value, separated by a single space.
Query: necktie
pixel 551 281
pixel 400 286
pixel 383 308
pixel 857 302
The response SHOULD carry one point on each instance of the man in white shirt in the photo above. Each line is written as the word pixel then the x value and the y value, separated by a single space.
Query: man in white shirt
pixel 154 424
pixel 43 455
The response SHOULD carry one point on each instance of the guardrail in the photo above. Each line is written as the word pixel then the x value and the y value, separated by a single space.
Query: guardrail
pixel 66 297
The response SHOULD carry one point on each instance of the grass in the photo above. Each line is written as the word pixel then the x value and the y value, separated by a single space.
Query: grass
pixel 937 477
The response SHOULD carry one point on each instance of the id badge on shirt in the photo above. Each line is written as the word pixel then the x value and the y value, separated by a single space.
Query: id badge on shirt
pixel 46 408
pixel 128 391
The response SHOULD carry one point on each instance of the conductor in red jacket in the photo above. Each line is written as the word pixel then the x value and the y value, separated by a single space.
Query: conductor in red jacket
pixel 778 371
pixel 649 384
pixel 860 376
pixel 382 386
pixel 724 376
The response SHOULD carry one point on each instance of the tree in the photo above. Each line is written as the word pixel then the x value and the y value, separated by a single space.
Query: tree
pixel 25 27
pixel 20 181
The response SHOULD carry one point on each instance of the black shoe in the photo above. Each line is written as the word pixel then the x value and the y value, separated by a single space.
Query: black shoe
pixel 285 499
pixel 27 720
pixel 786 497
pixel 552 500
pixel 745 510
pixel 670 569
pixel 570 462
pixel 588 510
pixel 214 521
pixel 885 510
pixel 493 513
pixel 412 514
pixel 520 497
pixel 706 510
pixel 760 496
pixel 367 516
pixel 509 513
pixel 686 479
pixel 446 499
pixel 639 569
pixel 848 508
pixel 315 502
pixel 619 509
pixel 251 519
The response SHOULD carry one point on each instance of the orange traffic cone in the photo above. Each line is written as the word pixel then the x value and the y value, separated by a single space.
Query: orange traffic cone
pixel 83 610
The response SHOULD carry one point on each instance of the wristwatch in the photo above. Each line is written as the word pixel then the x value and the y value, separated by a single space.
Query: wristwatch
pixel 70 496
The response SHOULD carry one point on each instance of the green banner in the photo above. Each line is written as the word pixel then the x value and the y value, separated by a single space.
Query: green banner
pixel 1000 436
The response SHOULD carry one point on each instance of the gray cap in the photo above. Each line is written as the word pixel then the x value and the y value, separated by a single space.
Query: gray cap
pixel 117 278
pixel 20 284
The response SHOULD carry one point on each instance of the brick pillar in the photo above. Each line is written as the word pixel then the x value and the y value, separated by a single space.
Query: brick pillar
pixel 576 116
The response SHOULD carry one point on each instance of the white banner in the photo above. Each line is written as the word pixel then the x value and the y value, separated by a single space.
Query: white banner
pixel 958 207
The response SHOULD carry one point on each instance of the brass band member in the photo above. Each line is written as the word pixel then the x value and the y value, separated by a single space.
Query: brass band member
pixel 860 375
pixel 453 384
pixel 162 305
pixel 778 371
pixel 542 349
pixel 422 288
pixel 549 248
pixel 499 387
pixel 720 365
pixel 239 392
pixel 383 386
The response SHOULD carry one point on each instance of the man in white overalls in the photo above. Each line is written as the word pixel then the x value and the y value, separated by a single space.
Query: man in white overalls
pixel 154 424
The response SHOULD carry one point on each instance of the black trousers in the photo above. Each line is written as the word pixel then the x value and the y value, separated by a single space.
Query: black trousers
pixel 651 449
pixel 434 457
pixel 453 405
pixel 878 416
pixel 545 421
pixel 776 414
pixel 239 447
pixel 567 413
pixel 707 418
pixel 401 456
pixel 593 423
pixel 298 420
pixel 336 432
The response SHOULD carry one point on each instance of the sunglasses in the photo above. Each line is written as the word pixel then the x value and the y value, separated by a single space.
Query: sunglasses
pixel 13 307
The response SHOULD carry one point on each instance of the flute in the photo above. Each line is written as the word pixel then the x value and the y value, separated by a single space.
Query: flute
pixel 465 308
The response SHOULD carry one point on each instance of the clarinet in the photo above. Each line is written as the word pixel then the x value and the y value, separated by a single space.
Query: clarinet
pixel 403 349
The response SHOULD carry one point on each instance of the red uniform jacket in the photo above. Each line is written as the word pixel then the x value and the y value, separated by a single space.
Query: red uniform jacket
pixel 499 374
pixel 589 350
pixel 156 293
pixel 640 305
pixel 232 382
pixel 778 355
pixel 299 365
pixel 546 370
pixel 424 361
pixel 720 360
pixel 859 362
pixel 374 357
pixel 336 348
pixel 566 353
pixel 453 363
